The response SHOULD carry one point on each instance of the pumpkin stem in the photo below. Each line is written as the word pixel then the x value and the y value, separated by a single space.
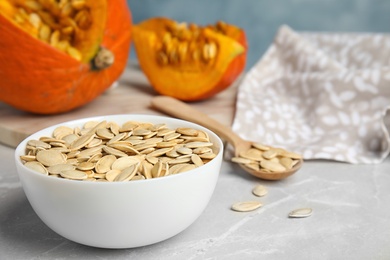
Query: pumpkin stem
pixel 103 59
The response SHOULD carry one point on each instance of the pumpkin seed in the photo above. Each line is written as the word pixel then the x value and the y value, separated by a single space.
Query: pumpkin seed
pixel 104 163
pixel 146 169
pixel 260 146
pixel 85 166
pixel 300 213
pixel 28 158
pixel 127 173
pixel 58 168
pixel 180 160
pixel 50 157
pixel 184 150
pixel 74 175
pixel 81 141
pixel 201 150
pixel 260 190
pixel 36 166
pixel 272 153
pixel 160 152
pixel 252 154
pixel 246 206
pixel 124 162
pixel 198 144
pixel 253 166
pixel 242 160
pixel 124 147
pixel 156 170
pixel 208 156
pixel 286 162
pixel 272 166
pixel 171 136
pixel 114 151
pixel 197 160
pixel 187 131
pixel 138 177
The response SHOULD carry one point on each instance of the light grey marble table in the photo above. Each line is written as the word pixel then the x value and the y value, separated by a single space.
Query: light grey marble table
pixel 350 220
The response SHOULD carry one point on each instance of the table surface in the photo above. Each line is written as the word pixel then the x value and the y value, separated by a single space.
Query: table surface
pixel 350 220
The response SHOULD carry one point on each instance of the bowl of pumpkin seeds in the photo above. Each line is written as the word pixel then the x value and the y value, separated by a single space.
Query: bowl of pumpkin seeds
pixel 119 181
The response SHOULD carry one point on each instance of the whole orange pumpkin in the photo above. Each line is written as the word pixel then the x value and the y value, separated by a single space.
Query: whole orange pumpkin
pixel 56 56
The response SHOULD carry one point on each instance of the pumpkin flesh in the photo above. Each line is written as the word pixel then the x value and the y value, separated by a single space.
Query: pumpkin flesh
pixel 189 62
pixel 74 27
pixel 40 78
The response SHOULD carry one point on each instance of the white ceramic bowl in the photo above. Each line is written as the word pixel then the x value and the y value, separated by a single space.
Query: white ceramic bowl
pixel 121 214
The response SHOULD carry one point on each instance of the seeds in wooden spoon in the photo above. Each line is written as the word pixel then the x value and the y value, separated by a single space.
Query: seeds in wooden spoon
pixel 264 158
pixel 253 154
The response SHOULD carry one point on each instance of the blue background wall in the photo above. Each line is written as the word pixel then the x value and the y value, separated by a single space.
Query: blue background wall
pixel 262 18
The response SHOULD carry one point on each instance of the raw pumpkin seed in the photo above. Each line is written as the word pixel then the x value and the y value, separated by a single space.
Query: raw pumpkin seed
pixel 260 190
pixel 36 166
pixel 50 157
pixel 272 166
pixel 300 213
pixel 246 206
pixel 74 175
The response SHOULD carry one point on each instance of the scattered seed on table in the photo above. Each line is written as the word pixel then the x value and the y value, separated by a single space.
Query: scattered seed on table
pixel 246 206
pixel 300 213
pixel 260 190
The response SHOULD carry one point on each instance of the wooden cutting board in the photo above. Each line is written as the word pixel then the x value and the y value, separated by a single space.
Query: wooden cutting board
pixel 131 95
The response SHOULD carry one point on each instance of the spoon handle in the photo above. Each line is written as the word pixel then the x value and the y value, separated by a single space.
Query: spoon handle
pixel 179 109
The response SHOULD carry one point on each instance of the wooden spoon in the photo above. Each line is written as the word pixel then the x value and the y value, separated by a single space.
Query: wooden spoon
pixel 176 108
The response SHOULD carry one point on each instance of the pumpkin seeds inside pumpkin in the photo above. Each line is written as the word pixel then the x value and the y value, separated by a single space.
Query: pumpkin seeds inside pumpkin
pixel 56 22
pixel 182 43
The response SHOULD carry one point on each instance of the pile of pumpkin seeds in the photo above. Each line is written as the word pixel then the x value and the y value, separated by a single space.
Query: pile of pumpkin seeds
pixel 107 151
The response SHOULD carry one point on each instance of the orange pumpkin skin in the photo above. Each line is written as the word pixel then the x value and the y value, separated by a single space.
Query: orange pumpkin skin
pixel 235 69
pixel 189 85
pixel 38 78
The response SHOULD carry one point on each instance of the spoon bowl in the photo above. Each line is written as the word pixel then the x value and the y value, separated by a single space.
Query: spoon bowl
pixel 179 109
